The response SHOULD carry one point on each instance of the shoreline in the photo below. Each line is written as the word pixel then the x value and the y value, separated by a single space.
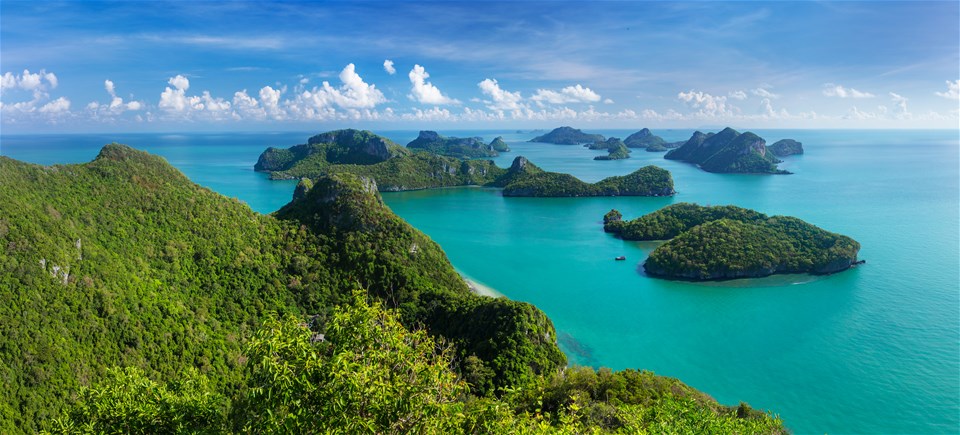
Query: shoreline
pixel 480 289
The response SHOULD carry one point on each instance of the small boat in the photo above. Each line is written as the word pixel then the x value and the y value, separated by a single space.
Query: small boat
pixel 621 258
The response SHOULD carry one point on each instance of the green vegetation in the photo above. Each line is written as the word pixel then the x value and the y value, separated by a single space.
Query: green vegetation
pixel 499 145
pixel 785 147
pixel 568 136
pixel 424 170
pixel 646 139
pixel 727 152
pixel 323 150
pixel 616 152
pixel 525 179
pixel 124 262
pixel 670 221
pixel 461 148
pixel 361 370
pixel 725 242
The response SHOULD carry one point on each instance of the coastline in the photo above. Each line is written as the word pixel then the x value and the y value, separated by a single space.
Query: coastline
pixel 480 289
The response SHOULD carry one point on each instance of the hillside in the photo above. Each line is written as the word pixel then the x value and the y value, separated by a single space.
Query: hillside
pixel 125 262
pixel 137 301
pixel 725 242
pixel 728 151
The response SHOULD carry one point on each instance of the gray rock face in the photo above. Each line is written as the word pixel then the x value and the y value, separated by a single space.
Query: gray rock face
pixel 519 164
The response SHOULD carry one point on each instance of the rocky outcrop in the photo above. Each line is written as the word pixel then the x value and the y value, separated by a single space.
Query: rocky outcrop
pixel 302 188
pixel 499 145
pixel 728 151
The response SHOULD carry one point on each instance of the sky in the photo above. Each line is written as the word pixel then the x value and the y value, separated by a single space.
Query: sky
pixel 213 66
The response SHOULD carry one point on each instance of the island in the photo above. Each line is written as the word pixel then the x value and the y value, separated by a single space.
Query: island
pixel 786 147
pixel 728 242
pixel 349 146
pixel 617 151
pixel 403 169
pixel 568 136
pixel 143 300
pixel 646 139
pixel 525 179
pixel 728 151
pixel 461 148
pixel 612 142
pixel 499 145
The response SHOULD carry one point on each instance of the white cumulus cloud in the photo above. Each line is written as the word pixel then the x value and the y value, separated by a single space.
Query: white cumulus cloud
pixel 569 94
pixel 764 93
pixel 116 105
pixel 59 105
pixel 388 67
pixel 738 95
pixel 353 93
pixel 901 103
pixel 706 104
pixel 500 99
pixel 953 90
pixel 425 92
pixel 832 90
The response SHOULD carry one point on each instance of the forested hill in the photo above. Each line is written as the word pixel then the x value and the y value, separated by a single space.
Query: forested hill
pixel 123 276
pixel 125 262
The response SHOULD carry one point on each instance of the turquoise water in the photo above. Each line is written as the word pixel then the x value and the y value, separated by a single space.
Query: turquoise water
pixel 872 350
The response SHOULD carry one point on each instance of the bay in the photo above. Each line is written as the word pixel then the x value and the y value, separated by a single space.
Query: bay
pixel 875 349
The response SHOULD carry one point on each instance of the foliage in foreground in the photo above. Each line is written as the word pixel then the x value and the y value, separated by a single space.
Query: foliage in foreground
pixel 125 262
pixel 367 373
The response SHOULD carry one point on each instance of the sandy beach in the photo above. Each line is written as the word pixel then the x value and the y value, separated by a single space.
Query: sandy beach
pixel 481 289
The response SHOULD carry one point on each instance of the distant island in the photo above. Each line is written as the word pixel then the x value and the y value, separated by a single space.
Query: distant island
pixel 616 149
pixel 568 136
pixel 646 139
pixel 727 242
pixel 728 151
pixel 461 148
pixel 786 147
pixel 525 179
pixel 395 168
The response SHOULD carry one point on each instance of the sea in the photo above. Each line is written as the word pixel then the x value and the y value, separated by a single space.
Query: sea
pixel 874 349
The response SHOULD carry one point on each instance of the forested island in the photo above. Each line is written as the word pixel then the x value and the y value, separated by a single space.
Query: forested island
pixel 728 151
pixel 459 147
pixel 726 242
pixel 646 139
pixel 786 147
pixel 616 149
pixel 568 136
pixel 136 301
pixel 526 179
pixel 395 168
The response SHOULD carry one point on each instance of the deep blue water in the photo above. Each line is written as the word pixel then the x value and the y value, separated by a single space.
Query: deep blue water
pixel 875 349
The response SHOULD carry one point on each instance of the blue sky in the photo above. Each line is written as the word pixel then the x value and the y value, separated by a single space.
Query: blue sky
pixel 161 66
